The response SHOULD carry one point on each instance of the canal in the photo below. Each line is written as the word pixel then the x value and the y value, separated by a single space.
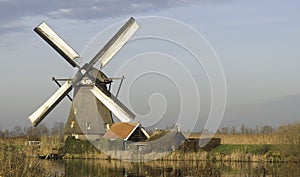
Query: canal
pixel 116 168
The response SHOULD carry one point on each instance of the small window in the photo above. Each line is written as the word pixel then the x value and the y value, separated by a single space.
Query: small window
pixel 106 126
pixel 72 124
pixel 88 126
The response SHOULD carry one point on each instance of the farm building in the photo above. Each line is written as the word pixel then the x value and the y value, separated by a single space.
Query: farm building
pixel 128 131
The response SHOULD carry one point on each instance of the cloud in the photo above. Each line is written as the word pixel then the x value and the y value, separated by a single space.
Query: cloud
pixel 13 12
pixel 95 9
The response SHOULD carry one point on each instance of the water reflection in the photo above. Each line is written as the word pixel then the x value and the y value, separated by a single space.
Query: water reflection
pixel 116 168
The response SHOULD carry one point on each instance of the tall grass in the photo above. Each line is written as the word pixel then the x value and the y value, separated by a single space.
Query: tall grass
pixel 250 138
pixel 13 163
pixel 290 135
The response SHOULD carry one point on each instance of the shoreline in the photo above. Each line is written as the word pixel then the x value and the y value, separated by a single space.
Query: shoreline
pixel 77 149
pixel 178 155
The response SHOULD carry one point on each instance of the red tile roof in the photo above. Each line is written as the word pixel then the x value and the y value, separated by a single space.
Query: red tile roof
pixel 120 130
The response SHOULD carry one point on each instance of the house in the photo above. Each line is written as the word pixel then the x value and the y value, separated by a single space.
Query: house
pixel 127 131
pixel 122 134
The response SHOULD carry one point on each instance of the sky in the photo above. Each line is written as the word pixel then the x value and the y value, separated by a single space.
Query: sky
pixel 257 42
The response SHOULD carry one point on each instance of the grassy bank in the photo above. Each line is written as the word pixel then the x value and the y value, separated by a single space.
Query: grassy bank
pixel 224 152
pixel 78 149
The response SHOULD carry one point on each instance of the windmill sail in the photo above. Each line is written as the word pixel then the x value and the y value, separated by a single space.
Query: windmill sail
pixel 113 104
pixel 115 43
pixel 57 43
pixel 42 111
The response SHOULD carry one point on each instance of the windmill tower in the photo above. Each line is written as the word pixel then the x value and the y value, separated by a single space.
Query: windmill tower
pixel 92 103
pixel 88 117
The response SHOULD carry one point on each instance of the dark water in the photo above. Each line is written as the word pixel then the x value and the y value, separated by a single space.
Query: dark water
pixel 91 168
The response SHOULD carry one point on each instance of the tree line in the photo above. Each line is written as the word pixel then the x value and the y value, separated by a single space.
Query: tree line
pixel 34 133
pixel 243 129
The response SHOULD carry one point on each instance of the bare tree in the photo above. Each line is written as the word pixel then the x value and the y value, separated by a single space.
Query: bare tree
pixel 243 129
pixel 257 129
pixel 267 129
pixel 17 131
pixel 35 133
pixel 233 130
pixel 57 129
pixel 6 133
pixel 249 130
pixel 225 130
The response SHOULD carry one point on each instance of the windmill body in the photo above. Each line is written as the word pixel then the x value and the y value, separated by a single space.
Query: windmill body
pixel 92 104
pixel 88 117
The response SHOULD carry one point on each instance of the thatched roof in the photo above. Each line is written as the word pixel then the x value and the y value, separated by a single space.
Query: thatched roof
pixel 166 140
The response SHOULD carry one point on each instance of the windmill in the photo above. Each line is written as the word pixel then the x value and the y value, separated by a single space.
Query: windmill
pixel 89 83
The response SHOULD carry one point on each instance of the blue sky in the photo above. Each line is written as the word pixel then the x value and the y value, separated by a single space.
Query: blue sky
pixel 257 43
